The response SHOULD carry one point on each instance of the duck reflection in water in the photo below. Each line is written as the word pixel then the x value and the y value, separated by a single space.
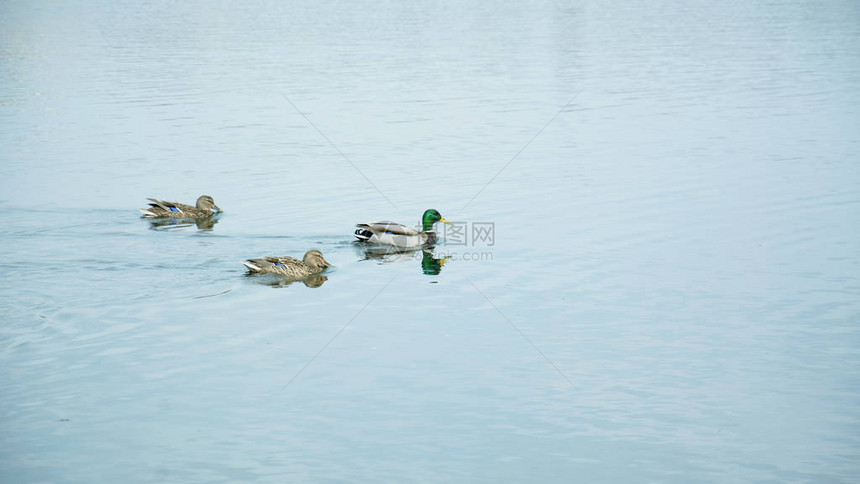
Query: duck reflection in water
pixel 313 280
pixel 386 254
pixel 177 223
pixel 430 265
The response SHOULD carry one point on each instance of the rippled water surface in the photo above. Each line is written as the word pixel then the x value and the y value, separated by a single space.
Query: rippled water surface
pixel 671 292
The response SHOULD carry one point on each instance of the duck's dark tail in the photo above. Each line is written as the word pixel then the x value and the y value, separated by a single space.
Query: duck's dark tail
pixel 363 234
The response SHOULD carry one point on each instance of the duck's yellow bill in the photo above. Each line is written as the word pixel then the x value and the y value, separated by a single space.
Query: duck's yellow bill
pixel 444 221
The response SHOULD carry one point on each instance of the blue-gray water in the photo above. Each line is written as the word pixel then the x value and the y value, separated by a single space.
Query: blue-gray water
pixel 672 295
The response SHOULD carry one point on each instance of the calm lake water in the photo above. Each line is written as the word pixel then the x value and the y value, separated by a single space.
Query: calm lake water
pixel 671 292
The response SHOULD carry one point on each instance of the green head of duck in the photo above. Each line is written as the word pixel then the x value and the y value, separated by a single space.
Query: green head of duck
pixel 430 217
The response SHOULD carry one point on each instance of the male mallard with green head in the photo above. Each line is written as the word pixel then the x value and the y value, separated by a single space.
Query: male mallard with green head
pixel 313 263
pixel 162 209
pixel 400 235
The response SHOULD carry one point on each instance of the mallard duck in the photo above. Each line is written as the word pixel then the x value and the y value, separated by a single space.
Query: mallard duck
pixel 400 235
pixel 162 209
pixel 313 263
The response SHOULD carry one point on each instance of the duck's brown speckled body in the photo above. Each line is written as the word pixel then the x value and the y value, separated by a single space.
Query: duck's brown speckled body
pixel 163 209
pixel 313 263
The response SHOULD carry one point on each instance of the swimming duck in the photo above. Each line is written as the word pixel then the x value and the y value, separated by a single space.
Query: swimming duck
pixel 313 263
pixel 400 235
pixel 162 209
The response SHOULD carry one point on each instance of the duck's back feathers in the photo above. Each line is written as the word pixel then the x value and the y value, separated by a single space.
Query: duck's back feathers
pixel 366 233
pixel 389 227
pixel 163 204
pixel 163 208
pixel 391 233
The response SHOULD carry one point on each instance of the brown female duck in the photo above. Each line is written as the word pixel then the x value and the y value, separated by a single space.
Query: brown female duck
pixel 313 263
pixel 162 209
